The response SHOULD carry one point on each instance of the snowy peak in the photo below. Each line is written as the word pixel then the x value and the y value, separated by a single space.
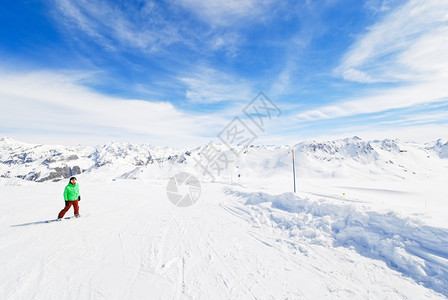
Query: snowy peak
pixel 390 145
pixel 53 162
pixel 122 153
pixel 444 151
pixel 353 148
pixel 441 148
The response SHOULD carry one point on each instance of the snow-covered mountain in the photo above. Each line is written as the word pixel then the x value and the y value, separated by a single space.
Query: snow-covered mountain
pixel 41 163
pixel 351 157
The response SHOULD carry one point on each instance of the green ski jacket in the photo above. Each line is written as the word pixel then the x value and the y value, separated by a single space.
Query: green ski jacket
pixel 71 192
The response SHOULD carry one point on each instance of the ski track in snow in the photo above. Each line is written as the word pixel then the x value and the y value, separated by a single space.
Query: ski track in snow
pixel 232 244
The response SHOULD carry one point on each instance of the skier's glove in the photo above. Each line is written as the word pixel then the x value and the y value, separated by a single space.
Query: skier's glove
pixel 79 198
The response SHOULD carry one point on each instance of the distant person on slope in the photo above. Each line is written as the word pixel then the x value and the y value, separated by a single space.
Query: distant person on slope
pixel 71 197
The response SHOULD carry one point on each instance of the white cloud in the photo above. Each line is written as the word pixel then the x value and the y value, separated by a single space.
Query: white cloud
pixel 407 44
pixel 400 97
pixel 227 42
pixel 145 29
pixel 356 75
pixel 206 85
pixel 226 13
pixel 417 119
pixel 419 134
pixel 151 27
pixel 49 104
pixel 282 84
pixel 378 6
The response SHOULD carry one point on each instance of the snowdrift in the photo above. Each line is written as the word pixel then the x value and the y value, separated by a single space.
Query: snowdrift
pixel 405 244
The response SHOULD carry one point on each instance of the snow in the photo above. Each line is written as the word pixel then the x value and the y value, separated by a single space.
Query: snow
pixel 405 244
pixel 369 221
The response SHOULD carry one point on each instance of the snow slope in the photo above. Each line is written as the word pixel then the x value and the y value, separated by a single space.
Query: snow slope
pixel 369 221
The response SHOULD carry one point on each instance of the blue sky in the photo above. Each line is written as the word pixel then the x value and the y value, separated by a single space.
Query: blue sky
pixel 176 73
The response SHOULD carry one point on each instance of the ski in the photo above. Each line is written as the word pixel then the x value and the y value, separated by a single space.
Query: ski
pixel 66 218
pixel 49 221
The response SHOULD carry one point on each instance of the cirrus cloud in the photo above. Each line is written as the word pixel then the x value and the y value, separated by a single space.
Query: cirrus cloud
pixel 56 105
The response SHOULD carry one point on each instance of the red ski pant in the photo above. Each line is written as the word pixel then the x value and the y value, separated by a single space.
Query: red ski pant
pixel 69 204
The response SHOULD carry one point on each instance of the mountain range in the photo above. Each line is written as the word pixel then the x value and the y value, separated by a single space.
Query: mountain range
pixel 351 157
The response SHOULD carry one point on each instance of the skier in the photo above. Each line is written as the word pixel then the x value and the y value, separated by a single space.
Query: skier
pixel 71 197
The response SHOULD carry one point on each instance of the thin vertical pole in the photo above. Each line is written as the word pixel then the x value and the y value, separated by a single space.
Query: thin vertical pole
pixel 293 170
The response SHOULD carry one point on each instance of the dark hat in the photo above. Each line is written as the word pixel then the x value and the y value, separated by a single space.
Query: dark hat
pixel 71 178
